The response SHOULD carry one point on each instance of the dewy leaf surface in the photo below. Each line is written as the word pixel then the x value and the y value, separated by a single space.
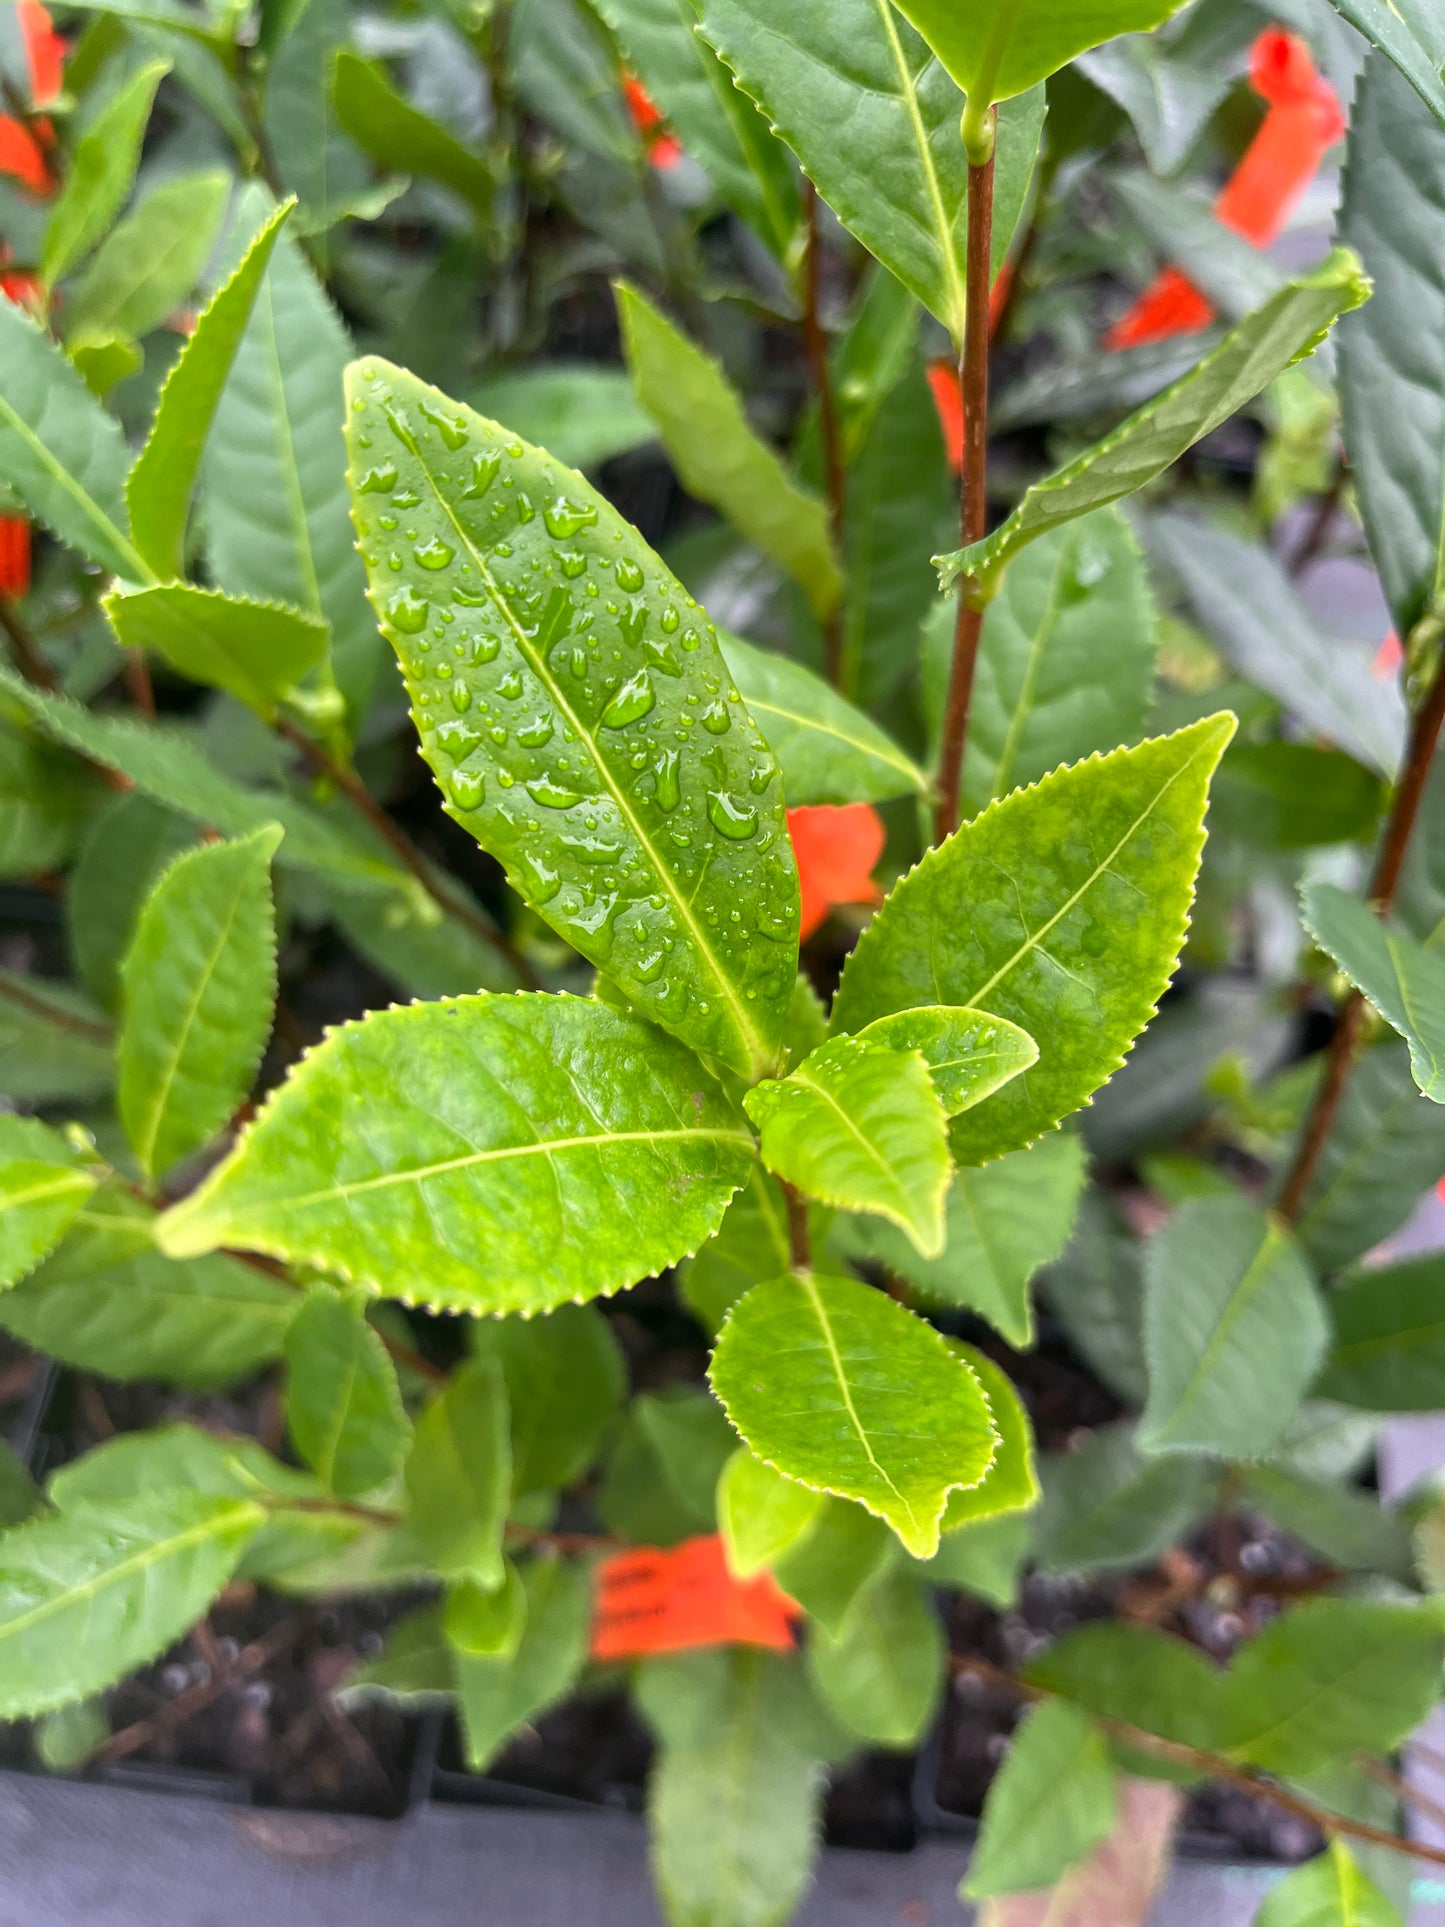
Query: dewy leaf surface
pixel 873 118
pixel 502 1154
pixel 256 651
pixel 969 1055
pixel 580 720
pixel 1403 979
pixel 839 1387
pixel 198 986
pixel 1284 330
pixel 1065 907
pixel 1003 46
pixel 42 1187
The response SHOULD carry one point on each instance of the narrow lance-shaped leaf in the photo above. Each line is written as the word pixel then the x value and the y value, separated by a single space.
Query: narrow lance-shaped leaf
pixel 1005 46
pixel 255 651
pixel 42 1187
pixel 100 173
pixel 401 137
pixel 1403 979
pixel 343 1405
pixel 199 984
pixel 148 265
pixel 497 1695
pixel 1100 860
pixel 1053 1798
pixel 591 742
pixel 718 456
pixel 839 1387
pixel 459 1475
pixel 1283 331
pixel 516 1152
pixel 1411 34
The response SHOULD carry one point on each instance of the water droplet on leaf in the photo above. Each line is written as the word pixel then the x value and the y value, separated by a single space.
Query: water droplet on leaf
pixel 634 699
pixel 734 820
pixel 407 611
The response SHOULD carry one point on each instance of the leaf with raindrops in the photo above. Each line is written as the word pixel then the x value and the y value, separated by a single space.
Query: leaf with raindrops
pixel 576 710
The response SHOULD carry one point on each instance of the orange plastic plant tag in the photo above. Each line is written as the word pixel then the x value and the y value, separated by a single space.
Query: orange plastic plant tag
pixel 836 846
pixel 652 1599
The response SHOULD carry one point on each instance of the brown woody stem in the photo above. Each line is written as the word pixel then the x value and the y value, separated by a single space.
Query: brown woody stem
pixel 28 659
pixel 830 434
pixel 53 1014
pixel 800 1244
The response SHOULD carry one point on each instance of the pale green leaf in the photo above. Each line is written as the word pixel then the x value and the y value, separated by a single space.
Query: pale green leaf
pixel 835 1385
pixel 87 1597
pixel 984 1558
pixel 825 1571
pixel 158 489
pixel 761 1515
pixel 1330 1890
pixel 1066 906
pixel 661 871
pixel 173 1458
pixel 582 413
pixel 1388 1352
pixel 1402 979
pixel 509 1153
pixel 1285 329
pixel 1011 1483
pixel 400 137
pixel 146 267
pixel 100 174
pixel 1234 1329
pixel 1008 45
pixel 198 987
pixel 1054 1797
pixel 255 651
pixel 459 1475
pixel 104 359
pixel 1106 1506
pixel 881 1674
pixel 718 456
pixel 42 1187
pixel 487 1625
pixel 969 1054
pixel 343 1404
pixel 1148 1678
pixel 1412 35
pixel 495 1696
pixel 565 1386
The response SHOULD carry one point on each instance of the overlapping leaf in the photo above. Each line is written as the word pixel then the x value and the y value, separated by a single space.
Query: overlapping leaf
pixel 497 1695
pixel 42 1187
pixel 343 1406
pixel 1054 1798
pixel 1412 36
pixel 1403 979
pixel 389 128
pixel 146 267
pixel 256 651
pixel 459 1475
pixel 761 1514
pixel 101 171
pixel 1007 45
pixel 1388 1353
pixel 881 1674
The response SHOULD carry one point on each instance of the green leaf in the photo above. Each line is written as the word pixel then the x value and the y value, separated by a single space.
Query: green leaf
pixel 846 1548
pixel 20 1497
pixel 1286 329
pixel 718 457
pixel 487 1625
pixel 173 1458
pixel 107 1301
pixel 984 1558
pixel 158 489
pixel 100 174
pixel 199 983
pixel 1063 952
pixel 828 751
pixel 837 1386
pixel 41 805
pixel 969 1054
pixel 861 1126
pixel 1065 662
pixel 565 1386
pixel 42 1187
pixel 733 1800
pixel 874 121
pixel 581 412
pixel 761 1515
pixel 400 137
pixel 496 1696
pixel 1327 1678
pixel 717 125
pixel 500 1133
pixel 1351 1530
pixel 315 160
pixel 881 1675
pixel 1293 796
pixel 59 450
pixel 343 1405
pixel 1330 1890
pixel 751 1246
pixel 1149 1679
pixel 54 1044
pixel 146 267
pixel 104 360
pixel 1106 1506
pixel 65 1739
pixel 1004 1222
pixel 1402 979
pixel 662 1476
pixel 459 1475
pixel 1096 1291
pixel 1234 1328
pixel 1388 1353
pixel 1386 1150
pixel 642 873
pixel 414 1669
pixel 1011 1482
pixel 1412 36
pixel 1054 1797
pixel 1008 45
pixel 255 651
pixel 86 1598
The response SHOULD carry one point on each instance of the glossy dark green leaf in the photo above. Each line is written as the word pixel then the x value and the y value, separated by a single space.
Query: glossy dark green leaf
pixel 1388 1351
pixel 881 1675
pixel 1008 45
pixel 1401 978
pixel 400 137
pixel 459 1475
pixel 100 174
pixel 146 267
pixel 343 1404
pixel 565 1385
pixel 1053 1799
pixel 637 833
pixel 496 1695
pixel 42 1187
pixel 1107 1506
pixel 255 651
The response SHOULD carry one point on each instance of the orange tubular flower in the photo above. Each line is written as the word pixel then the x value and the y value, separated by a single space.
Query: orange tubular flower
pixel 1304 121
pixel 836 846
pixel 14 555
pixel 943 374
pixel 663 149
pixel 21 153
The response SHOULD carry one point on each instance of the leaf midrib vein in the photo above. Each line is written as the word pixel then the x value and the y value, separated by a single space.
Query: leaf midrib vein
pixel 835 1358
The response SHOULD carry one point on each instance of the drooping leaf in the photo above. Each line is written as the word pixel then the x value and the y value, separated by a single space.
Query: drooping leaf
pixel 1107 1506
pixel 256 651
pixel 1402 979
pixel 1011 1483
pixel 387 126
pixel 493 1187
pixel 860 1126
pixel 565 1385
pixel 581 412
pixel 662 1476
pixel 1150 1679
pixel 146 267
pixel 497 1695
pixel 1065 952
pixel 158 488
pixel 1330 1890
pixel 100 174
pixel 838 1387
pixel 1008 45
pixel 59 450
pixel 1388 1350
pixel 1412 36
pixel 1234 1328
pixel 969 1054
pixel 717 455
pixel 1053 1799
pixel 459 1475
pixel 881 1674
pixel 87 1597
pixel 343 1405
pixel 42 1187
pixel 873 118
pixel 828 751
pixel 640 872
pixel 1287 327
pixel 761 1515
pixel 199 984
pixel 1004 1222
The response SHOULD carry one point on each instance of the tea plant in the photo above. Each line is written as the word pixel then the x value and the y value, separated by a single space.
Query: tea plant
pixel 613 1065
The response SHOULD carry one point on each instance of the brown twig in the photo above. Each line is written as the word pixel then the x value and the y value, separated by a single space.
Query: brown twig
pixel 28 659
pixel 53 1014
pixel 137 676
pixel 816 343
pixel 1424 738
pixel 800 1244
pixel 1320 522
pixel 973 500
pixel 401 1352
pixel 174 1713
pixel 1397 1784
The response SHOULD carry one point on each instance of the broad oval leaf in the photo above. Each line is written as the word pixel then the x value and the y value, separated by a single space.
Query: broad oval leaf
pixel 969 1054
pixel 101 171
pixel 861 1126
pixel 198 986
pixel 1331 1890
pixel 255 651
pixel 592 742
pixel 1403 979
pixel 42 1187
pixel 565 1386
pixel 86 1597
pixel 839 1387
pixel 1388 1350
pixel 343 1404
pixel 1003 46
pixel 881 1673
pixel 1067 905
pixel 459 1475
pixel 506 1154
pixel 1054 1797
pixel 761 1514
